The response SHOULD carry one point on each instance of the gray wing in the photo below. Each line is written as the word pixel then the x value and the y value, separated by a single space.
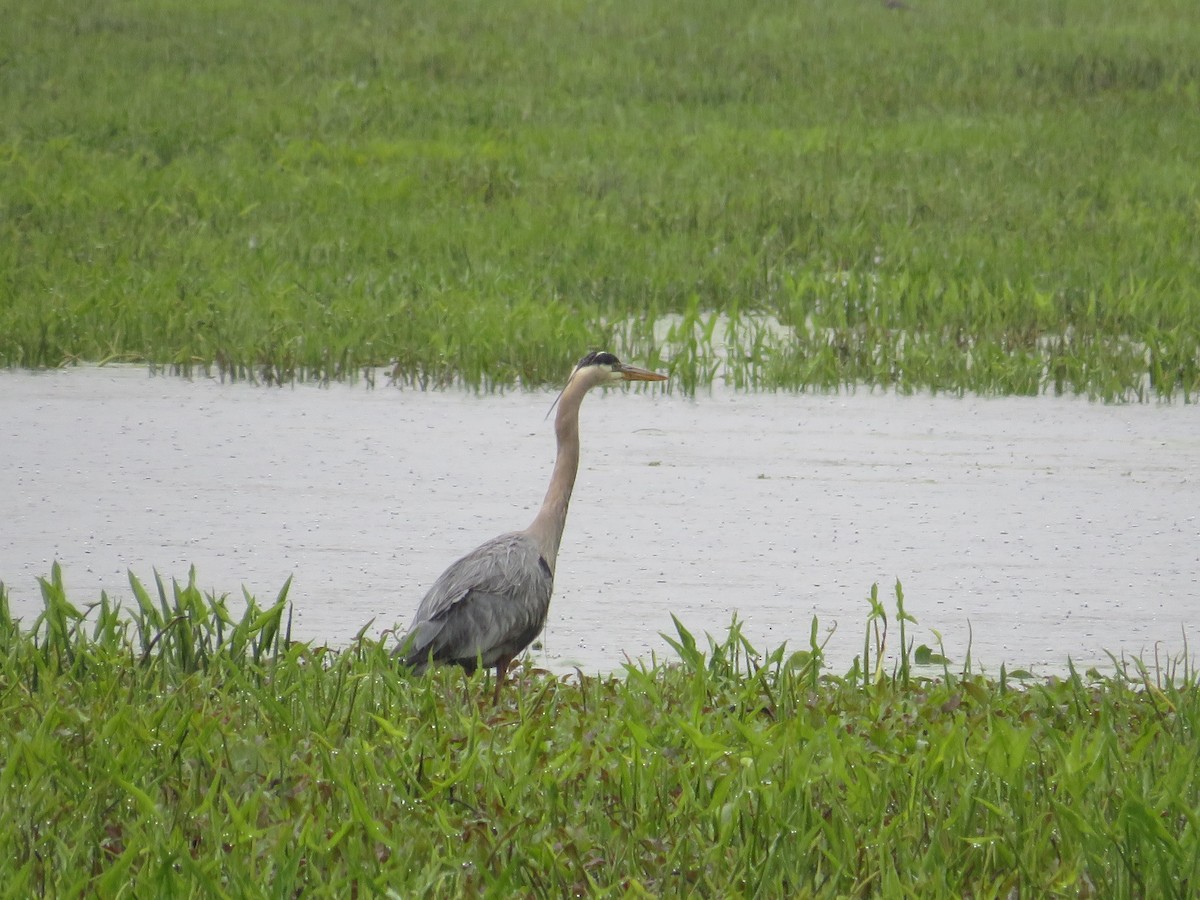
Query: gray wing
pixel 487 606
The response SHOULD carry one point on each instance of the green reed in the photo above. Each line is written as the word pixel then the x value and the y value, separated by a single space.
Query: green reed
pixel 175 746
pixel 997 200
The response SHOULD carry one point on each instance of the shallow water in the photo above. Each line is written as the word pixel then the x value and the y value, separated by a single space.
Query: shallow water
pixel 1053 528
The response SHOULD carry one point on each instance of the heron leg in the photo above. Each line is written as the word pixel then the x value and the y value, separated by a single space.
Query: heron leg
pixel 501 671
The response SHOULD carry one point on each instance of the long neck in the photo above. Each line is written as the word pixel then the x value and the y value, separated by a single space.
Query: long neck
pixel 547 526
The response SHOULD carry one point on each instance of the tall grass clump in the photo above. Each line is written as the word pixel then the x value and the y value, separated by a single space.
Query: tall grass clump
pixel 951 197
pixel 175 748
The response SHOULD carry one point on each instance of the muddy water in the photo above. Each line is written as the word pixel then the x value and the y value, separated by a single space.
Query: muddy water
pixel 1052 528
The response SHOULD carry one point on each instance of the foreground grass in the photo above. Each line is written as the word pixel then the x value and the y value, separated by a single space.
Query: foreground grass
pixel 182 751
pixel 999 198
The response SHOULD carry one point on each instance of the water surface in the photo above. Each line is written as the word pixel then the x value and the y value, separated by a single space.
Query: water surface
pixel 1052 528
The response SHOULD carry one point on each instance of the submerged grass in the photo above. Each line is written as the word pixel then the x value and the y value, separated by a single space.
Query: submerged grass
pixel 176 749
pixel 996 199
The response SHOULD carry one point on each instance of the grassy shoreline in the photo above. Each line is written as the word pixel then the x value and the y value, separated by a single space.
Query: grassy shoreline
pixel 183 750
pixel 998 200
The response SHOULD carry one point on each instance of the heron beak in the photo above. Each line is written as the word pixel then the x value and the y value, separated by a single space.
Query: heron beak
pixel 633 373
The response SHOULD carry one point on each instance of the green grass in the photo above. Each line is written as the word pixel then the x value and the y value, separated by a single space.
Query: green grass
pixel 997 198
pixel 179 749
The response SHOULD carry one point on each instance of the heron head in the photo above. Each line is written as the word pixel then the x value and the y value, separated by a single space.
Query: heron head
pixel 601 367
pixel 607 369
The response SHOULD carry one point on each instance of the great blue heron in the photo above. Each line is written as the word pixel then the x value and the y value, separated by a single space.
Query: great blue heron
pixel 490 605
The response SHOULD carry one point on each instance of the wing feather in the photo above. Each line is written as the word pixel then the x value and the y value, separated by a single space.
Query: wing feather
pixel 486 606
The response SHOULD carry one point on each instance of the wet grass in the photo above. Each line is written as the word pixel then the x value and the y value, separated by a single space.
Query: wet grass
pixel 950 197
pixel 182 749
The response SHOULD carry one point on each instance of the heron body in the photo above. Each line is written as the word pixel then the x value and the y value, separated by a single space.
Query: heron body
pixel 487 607
pixel 490 605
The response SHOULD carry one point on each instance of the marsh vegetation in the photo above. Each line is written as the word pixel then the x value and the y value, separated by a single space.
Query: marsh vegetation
pixel 187 751
pixel 999 199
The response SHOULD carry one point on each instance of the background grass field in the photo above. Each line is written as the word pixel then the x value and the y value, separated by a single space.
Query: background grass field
pixel 993 197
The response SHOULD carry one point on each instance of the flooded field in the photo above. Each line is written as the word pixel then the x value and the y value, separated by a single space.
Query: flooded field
pixel 1032 529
